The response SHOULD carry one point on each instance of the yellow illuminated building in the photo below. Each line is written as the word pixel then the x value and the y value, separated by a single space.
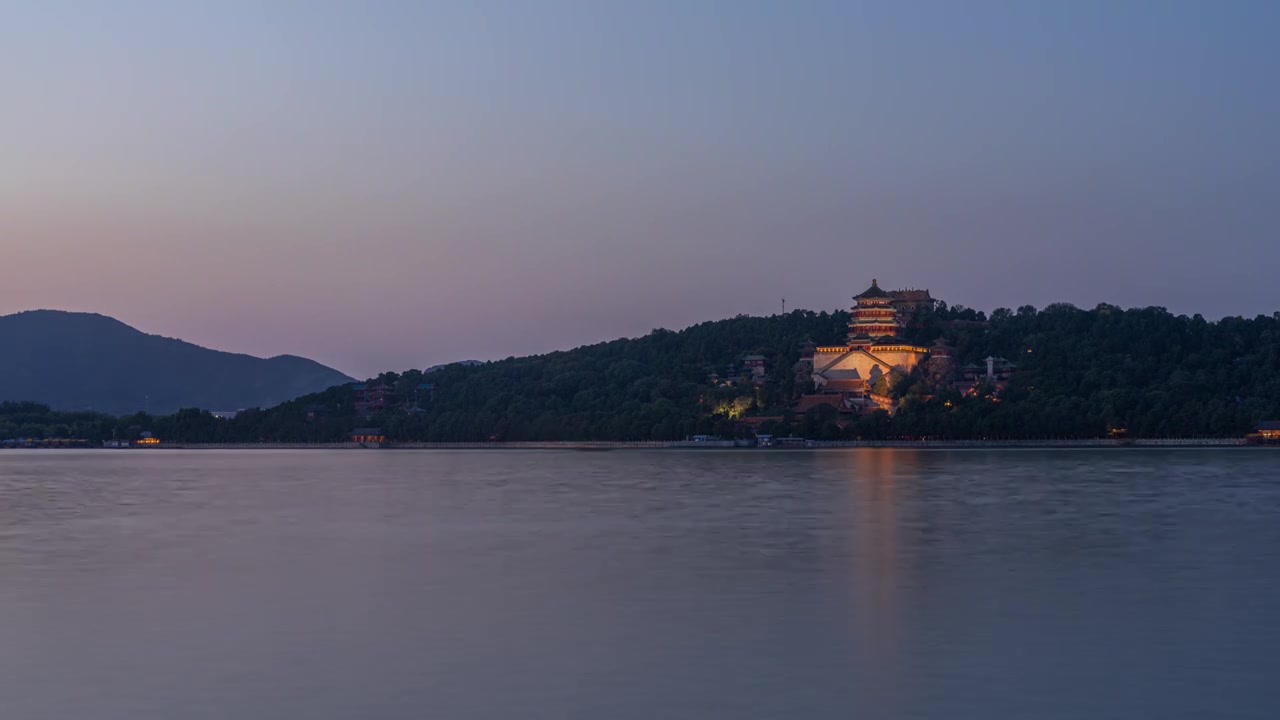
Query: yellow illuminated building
pixel 368 436
pixel 872 348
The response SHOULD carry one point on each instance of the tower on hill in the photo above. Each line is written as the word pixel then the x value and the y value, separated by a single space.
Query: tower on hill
pixel 873 347
pixel 873 317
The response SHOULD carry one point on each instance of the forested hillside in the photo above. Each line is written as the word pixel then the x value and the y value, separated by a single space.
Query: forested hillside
pixel 1081 373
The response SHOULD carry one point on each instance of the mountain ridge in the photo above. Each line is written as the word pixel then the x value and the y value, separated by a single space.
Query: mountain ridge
pixel 76 360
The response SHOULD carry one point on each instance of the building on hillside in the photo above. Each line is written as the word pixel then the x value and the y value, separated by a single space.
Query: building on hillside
pixel 873 316
pixel 738 375
pixel 872 349
pixel 941 365
pixel 855 387
pixel 941 350
pixel 911 301
pixel 718 380
pixel 1269 430
pixel 995 369
pixel 425 393
pixel 371 399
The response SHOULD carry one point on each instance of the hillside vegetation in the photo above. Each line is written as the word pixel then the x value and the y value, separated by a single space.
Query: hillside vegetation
pixel 1080 373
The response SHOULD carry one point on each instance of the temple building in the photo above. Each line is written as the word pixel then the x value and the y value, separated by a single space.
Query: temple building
pixel 754 365
pixel 873 347
pixel 910 301
pixel 370 399
pixel 996 370
pixel 1268 431
pixel 370 437
pixel 995 374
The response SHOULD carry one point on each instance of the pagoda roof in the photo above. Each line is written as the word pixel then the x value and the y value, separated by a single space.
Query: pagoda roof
pixel 845 385
pixel 872 292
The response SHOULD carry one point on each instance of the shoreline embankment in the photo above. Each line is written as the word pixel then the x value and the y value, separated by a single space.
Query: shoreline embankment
pixel 723 445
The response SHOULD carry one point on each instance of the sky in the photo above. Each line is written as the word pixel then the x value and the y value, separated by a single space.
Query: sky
pixel 390 185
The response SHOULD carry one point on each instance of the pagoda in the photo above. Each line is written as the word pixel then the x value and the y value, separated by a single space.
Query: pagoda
pixel 873 347
pixel 873 317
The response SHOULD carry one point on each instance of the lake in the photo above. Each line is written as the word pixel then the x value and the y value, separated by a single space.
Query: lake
pixel 639 584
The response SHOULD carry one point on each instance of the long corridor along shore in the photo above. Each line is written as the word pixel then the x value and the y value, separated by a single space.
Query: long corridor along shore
pixel 718 445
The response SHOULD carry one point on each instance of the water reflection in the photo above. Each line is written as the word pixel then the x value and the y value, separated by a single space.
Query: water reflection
pixel 881 580
pixel 888 583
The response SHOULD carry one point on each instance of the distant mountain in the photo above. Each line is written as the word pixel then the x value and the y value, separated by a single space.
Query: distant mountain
pixel 85 361
pixel 467 363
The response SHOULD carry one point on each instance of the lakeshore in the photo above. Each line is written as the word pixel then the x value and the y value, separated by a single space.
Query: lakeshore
pixel 708 445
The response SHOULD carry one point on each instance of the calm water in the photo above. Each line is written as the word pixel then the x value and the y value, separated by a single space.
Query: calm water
pixel 640 584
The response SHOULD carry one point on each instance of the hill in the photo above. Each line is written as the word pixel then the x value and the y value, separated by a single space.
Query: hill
pixel 75 361
pixel 1080 373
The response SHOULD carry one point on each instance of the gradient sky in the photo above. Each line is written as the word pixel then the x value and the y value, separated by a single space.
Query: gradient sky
pixel 386 185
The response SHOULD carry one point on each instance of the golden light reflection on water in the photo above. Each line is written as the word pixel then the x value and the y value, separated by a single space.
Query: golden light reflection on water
pixel 880 583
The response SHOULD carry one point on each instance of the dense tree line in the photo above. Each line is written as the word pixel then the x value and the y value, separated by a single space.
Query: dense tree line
pixel 1081 373
pixel 1084 372
pixel 33 420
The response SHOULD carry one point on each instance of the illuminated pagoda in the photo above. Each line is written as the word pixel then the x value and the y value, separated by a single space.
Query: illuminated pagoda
pixel 873 347
pixel 874 317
